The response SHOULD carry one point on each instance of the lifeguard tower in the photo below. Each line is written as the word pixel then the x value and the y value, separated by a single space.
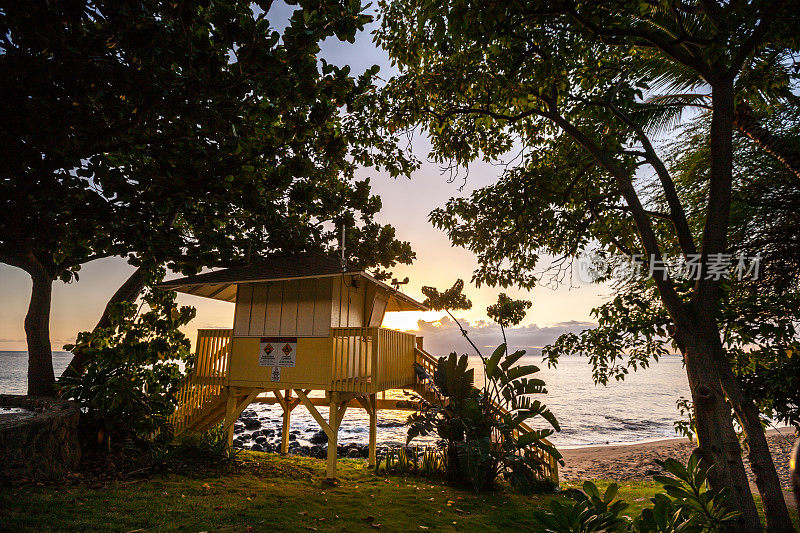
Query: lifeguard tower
pixel 301 323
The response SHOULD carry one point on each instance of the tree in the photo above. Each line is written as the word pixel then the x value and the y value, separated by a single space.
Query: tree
pixel 508 312
pixel 758 316
pixel 582 91
pixel 189 134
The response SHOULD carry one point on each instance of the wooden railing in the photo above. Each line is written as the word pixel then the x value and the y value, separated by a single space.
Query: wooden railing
pixel 205 383
pixel 395 359
pixel 548 462
pixel 371 359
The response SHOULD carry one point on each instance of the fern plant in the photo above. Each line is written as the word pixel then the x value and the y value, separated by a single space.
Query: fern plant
pixel 687 506
pixel 590 512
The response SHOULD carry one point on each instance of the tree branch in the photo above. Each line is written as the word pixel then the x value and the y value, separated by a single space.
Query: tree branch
pixel 777 146
pixel 715 232
pixel 672 301
pixel 678 216
pixel 750 44
pixel 652 214
pixel 678 53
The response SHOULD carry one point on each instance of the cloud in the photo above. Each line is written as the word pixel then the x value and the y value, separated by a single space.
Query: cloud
pixel 443 336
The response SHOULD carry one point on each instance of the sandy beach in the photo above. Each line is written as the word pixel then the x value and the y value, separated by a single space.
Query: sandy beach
pixel 636 461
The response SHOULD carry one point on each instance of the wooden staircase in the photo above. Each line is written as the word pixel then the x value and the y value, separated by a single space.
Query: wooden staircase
pixel 202 400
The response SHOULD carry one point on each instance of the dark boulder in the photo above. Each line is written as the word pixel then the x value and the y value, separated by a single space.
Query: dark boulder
pixel 320 437
pixel 251 423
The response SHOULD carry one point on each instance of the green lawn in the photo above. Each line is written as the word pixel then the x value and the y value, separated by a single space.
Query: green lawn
pixel 266 492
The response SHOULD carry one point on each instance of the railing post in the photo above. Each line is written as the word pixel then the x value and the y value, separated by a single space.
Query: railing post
pixel 377 378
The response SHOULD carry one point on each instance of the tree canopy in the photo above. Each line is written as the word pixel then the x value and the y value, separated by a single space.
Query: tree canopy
pixel 191 134
pixel 580 94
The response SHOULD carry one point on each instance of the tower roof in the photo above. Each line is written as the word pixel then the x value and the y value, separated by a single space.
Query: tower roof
pixel 221 284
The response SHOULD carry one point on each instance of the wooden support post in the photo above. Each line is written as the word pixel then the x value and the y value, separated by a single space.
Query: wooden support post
pixel 287 416
pixel 234 408
pixel 230 409
pixel 333 435
pixel 370 405
pixel 372 399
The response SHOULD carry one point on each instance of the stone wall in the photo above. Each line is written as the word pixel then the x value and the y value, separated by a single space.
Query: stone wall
pixel 42 446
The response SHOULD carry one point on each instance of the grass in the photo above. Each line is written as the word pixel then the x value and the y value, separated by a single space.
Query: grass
pixel 266 492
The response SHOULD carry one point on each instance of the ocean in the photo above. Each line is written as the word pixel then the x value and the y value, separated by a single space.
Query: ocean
pixel 638 409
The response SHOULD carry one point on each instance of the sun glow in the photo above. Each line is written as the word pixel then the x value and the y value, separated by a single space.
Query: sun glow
pixel 404 321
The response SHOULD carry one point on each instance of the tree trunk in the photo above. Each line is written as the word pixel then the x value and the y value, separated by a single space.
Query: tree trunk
pixel 41 380
pixel 126 292
pixel 769 486
pixel 717 440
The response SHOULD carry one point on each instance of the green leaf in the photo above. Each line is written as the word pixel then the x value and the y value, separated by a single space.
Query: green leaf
pixel 591 489
pixel 491 363
pixel 611 492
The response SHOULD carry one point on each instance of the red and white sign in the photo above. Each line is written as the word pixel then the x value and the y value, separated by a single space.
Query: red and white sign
pixel 278 352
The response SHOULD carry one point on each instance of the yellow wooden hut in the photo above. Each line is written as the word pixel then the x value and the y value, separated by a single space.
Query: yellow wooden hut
pixel 302 323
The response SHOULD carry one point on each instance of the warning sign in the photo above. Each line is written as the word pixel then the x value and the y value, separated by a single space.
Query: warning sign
pixel 278 352
pixel 276 373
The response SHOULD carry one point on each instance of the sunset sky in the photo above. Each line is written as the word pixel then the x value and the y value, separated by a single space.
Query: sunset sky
pixel 406 204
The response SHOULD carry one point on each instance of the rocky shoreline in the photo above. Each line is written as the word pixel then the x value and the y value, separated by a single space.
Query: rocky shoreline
pixel 252 433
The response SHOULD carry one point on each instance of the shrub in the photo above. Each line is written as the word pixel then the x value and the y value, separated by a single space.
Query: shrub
pixel 687 507
pixel 484 430
pixel 429 462
pixel 126 390
pixel 189 451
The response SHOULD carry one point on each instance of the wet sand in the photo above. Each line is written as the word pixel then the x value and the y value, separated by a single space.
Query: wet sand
pixel 635 462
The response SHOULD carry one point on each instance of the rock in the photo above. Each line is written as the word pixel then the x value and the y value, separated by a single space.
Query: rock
pixel 293 443
pixel 390 424
pixel 257 448
pixel 320 437
pixel 354 453
pixel 292 436
pixel 251 423
pixel 43 444
pixel 261 439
